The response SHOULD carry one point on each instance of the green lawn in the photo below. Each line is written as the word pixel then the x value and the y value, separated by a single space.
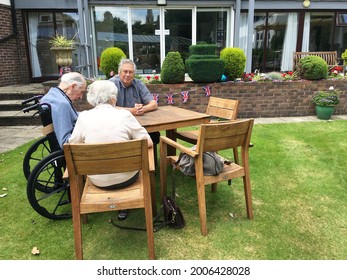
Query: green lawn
pixel 298 175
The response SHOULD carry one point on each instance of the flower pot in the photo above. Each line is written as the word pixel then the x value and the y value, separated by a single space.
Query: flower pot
pixel 324 112
pixel 63 56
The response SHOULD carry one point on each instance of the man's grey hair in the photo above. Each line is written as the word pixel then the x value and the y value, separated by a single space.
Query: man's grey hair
pixel 73 77
pixel 126 61
pixel 101 92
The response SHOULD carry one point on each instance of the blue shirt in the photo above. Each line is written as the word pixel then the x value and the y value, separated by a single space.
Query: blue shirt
pixel 64 116
pixel 137 92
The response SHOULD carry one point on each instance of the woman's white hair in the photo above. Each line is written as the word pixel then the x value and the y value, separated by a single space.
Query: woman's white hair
pixel 101 92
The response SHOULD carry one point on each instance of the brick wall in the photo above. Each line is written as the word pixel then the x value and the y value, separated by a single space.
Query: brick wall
pixel 13 56
pixel 262 99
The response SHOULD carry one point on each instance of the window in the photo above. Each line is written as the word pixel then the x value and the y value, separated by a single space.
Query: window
pixel 41 27
pixel 341 19
pixel 211 27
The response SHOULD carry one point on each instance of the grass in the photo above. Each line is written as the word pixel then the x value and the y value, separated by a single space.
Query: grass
pixel 298 175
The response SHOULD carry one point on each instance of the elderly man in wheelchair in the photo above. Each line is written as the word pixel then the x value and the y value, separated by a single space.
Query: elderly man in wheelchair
pixel 44 162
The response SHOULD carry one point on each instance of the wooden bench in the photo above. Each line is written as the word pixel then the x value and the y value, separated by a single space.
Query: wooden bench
pixel 329 57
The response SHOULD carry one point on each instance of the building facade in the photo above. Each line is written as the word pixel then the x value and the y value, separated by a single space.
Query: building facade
pixel 268 32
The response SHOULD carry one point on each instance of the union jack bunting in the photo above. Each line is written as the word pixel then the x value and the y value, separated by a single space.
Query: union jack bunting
pixel 156 97
pixel 207 90
pixel 185 96
pixel 169 98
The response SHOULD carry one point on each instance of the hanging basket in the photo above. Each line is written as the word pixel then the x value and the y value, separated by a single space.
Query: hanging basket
pixel 63 56
pixel 324 112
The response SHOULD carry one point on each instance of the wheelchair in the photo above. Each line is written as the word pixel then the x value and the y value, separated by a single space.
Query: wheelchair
pixel 44 164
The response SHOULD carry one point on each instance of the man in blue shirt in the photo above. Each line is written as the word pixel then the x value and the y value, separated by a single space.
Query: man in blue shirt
pixel 132 93
pixel 134 96
pixel 72 86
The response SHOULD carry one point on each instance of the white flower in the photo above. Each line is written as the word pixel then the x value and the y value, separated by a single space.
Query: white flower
pixel 331 88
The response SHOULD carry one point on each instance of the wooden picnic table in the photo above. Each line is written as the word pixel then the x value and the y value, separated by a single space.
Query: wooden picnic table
pixel 169 118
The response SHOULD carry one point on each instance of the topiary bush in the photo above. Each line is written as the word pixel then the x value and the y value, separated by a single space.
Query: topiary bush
pixel 173 70
pixel 234 61
pixel 313 68
pixel 109 60
pixel 344 57
pixel 203 65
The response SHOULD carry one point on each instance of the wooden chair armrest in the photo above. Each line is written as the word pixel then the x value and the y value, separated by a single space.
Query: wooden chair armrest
pixel 151 159
pixel 178 146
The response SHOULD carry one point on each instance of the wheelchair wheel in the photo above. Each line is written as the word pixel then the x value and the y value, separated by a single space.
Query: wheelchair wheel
pixel 48 193
pixel 35 154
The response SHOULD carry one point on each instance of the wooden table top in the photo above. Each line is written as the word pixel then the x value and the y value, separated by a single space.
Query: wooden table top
pixel 171 117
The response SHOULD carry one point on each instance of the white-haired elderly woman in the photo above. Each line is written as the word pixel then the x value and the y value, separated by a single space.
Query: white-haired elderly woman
pixel 106 123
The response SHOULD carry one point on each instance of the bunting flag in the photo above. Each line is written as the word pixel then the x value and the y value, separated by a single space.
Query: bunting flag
pixel 170 98
pixel 207 90
pixel 185 96
pixel 156 97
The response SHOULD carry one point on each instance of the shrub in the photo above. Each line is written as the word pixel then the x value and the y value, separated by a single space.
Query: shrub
pixel 202 49
pixel 313 68
pixel 234 61
pixel 205 70
pixel 344 57
pixel 274 76
pixel 203 65
pixel 173 70
pixel 109 60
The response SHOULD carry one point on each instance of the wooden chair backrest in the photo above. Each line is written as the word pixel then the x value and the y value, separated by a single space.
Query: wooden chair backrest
pixel 222 108
pixel 221 136
pixel 89 159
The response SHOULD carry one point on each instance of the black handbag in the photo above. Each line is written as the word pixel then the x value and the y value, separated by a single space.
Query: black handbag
pixel 169 215
pixel 173 216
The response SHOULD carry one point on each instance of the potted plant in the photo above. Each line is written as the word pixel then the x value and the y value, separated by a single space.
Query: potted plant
pixel 325 102
pixel 63 48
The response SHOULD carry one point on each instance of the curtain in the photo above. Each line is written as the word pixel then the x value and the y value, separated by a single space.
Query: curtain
pixel 289 43
pixel 306 35
pixel 33 32
pixel 243 33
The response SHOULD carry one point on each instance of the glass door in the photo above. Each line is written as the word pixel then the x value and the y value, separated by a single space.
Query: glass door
pixel 178 31
pixel 146 40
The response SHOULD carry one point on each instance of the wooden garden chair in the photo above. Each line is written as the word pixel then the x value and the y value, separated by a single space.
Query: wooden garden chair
pixel 219 109
pixel 90 159
pixel 213 137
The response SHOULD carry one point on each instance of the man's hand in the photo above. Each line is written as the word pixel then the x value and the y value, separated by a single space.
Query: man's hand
pixel 138 109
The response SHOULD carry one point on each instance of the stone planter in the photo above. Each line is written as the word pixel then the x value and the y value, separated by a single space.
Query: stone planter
pixel 63 56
